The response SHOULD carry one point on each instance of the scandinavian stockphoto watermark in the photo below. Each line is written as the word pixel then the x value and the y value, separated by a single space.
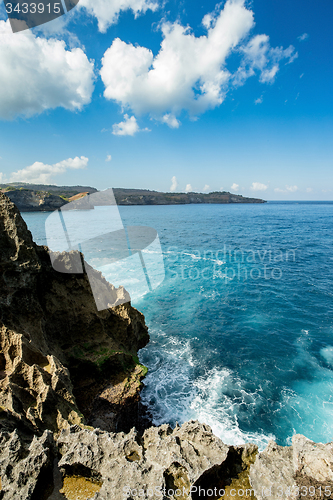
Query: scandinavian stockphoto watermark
pixel 26 14
pixel 273 491
pixel 228 264
pixel 128 257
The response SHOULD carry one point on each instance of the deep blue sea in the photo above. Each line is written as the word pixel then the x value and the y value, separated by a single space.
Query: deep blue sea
pixel 242 326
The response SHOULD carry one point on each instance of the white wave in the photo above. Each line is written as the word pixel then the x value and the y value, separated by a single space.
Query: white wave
pixel 173 394
pixel 213 406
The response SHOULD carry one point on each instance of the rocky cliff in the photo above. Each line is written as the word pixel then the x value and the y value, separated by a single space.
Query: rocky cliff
pixel 185 463
pixel 27 200
pixel 61 362
pixel 64 365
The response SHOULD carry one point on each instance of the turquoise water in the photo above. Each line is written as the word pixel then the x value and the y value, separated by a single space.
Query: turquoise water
pixel 242 326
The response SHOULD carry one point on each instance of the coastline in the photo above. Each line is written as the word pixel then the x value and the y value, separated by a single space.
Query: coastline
pixel 36 198
pixel 54 348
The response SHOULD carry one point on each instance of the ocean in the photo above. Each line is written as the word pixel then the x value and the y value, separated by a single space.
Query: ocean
pixel 242 326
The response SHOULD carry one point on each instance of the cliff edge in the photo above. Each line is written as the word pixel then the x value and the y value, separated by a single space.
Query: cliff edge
pixel 61 361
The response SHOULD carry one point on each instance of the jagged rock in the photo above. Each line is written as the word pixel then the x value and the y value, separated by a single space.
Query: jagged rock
pixel 273 472
pixel 289 472
pixel 61 358
pixel 161 458
pixel 26 470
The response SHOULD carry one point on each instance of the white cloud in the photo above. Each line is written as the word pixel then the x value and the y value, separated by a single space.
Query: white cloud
pixel 259 100
pixel 108 158
pixel 303 37
pixel 188 188
pixel 174 183
pixel 189 73
pixel 1 176
pixel 171 120
pixel 259 56
pixel 289 189
pixel 258 186
pixel 292 189
pixel 42 173
pixel 107 11
pixel 38 74
pixel 128 127
pixel 309 190
pixel 206 188
pixel 234 187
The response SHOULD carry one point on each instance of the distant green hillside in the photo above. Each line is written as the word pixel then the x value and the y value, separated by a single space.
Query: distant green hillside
pixel 147 197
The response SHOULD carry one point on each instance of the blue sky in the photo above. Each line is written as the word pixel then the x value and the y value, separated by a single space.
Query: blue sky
pixel 184 95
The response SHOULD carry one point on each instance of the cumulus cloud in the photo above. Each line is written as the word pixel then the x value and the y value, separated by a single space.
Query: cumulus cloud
pixel 303 37
pixel 42 173
pixel 38 74
pixel 1 176
pixel 128 127
pixel 107 11
pixel 206 188
pixel 188 188
pixel 309 190
pixel 234 187
pixel 189 73
pixel 108 158
pixel 259 100
pixel 174 183
pixel 258 186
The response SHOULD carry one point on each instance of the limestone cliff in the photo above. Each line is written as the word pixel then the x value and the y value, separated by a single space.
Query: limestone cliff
pixel 61 362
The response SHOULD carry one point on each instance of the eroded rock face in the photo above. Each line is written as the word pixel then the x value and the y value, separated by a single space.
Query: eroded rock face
pixel 26 469
pixel 60 357
pixel 185 463
pixel 162 459
pixel 303 470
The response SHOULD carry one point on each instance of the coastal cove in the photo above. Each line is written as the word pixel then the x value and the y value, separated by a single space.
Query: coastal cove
pixel 241 329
